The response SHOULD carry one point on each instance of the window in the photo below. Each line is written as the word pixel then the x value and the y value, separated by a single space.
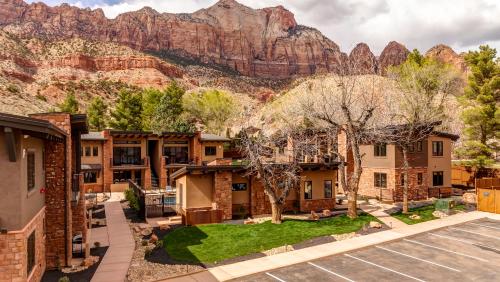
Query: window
pixel 95 151
pixel 380 150
pixel 176 155
pixel 121 176
pixel 328 188
pixel 31 169
pixel 31 252
pixel 87 151
pixel 419 146
pixel 210 151
pixel 402 179
pixel 380 180
pixel 239 186
pixel 127 155
pixel 437 148
pixel 308 189
pixel 420 178
pixel 90 177
pixel 437 178
pixel 411 148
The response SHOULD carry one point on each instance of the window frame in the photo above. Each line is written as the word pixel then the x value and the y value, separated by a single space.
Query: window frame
pixel 88 173
pixel 379 181
pixel 420 178
pixel 419 146
pixel 30 170
pixel 436 174
pixel 31 252
pixel 325 190
pixel 239 189
pixel 437 151
pixel 380 150
pixel 402 179
pixel 95 151
pixel 214 153
pixel 308 195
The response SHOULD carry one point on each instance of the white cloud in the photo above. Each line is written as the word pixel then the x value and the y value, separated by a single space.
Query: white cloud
pixel 421 24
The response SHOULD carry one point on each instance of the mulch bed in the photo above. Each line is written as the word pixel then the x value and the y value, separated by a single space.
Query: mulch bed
pixel 82 276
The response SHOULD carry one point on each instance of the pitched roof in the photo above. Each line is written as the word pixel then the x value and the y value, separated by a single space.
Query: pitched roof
pixel 42 127
pixel 213 137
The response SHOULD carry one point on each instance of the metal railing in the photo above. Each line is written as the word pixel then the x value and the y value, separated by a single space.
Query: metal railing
pixel 117 162
pixel 154 203
pixel 173 161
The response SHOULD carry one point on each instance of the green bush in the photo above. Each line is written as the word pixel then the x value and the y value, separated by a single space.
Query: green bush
pixel 133 202
pixel 12 88
pixel 64 279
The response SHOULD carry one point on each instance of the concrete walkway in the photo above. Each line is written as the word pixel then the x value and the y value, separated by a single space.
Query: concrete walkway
pixel 240 269
pixel 115 264
pixel 378 212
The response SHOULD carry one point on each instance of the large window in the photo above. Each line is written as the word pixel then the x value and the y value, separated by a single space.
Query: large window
pixel 437 148
pixel 176 155
pixel 127 156
pixel 380 180
pixel 328 188
pixel 210 151
pixel 239 186
pixel 380 150
pixel 30 248
pixel 437 178
pixel 308 190
pixel 420 178
pixel 30 162
pixel 90 177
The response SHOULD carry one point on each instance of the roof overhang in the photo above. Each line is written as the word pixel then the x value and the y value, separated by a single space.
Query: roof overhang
pixel 33 127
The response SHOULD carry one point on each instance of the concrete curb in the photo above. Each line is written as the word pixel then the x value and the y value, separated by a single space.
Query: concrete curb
pixel 240 269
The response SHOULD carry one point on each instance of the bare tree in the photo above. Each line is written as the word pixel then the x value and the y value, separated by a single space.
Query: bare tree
pixel 418 107
pixel 276 161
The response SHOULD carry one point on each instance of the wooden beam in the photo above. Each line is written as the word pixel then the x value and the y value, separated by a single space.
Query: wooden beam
pixel 10 142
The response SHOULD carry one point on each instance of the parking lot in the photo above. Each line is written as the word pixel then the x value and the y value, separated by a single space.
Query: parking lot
pixel 464 252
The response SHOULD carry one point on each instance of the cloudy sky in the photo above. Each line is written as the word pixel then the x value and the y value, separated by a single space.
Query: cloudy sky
pixel 421 24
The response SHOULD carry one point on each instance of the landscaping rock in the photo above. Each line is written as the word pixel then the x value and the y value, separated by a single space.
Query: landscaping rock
pixel 469 198
pixel 375 224
pixel 415 216
pixel 137 229
pixel 249 221
pixel 314 216
pixel 327 213
pixel 146 232
pixel 439 214
pixel 143 226
pixel 153 239
pixel 345 236
pixel 278 250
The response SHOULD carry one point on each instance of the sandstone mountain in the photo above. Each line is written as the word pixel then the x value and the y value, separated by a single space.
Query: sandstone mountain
pixel 264 43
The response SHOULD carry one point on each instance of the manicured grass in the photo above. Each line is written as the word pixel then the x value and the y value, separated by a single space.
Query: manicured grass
pixel 425 214
pixel 216 242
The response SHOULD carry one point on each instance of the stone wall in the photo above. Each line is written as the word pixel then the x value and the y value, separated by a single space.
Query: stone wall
pixel 415 192
pixel 367 183
pixel 259 200
pixel 107 151
pixel 79 212
pixel 13 250
pixel 317 205
pixel 223 194
pixel 196 153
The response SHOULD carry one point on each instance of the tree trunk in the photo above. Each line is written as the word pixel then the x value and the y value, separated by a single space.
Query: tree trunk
pixel 277 210
pixel 352 207
pixel 405 179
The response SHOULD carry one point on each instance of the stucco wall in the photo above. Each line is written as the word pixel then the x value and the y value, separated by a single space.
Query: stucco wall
pixel 318 177
pixel 370 160
pixel 219 153
pixel 241 197
pixel 440 163
pixel 199 189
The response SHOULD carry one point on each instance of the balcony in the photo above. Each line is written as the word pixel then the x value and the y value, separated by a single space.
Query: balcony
pixel 129 162
pixel 172 162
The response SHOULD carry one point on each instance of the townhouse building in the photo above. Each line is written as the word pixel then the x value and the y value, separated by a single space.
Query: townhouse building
pixel 42 208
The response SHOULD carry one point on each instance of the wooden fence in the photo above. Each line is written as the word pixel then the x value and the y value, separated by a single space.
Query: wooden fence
pixel 488 194
pixel 203 217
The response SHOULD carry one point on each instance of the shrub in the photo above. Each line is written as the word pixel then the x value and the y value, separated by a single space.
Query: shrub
pixel 133 202
pixel 64 279
pixel 159 244
pixel 147 252
pixel 41 97
pixel 12 88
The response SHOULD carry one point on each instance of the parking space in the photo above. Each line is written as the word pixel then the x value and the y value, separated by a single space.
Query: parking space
pixel 466 252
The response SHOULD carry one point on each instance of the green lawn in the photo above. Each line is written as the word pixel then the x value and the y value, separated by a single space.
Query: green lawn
pixel 425 214
pixel 216 242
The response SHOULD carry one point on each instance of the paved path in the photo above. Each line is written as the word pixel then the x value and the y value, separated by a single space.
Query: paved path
pixel 240 269
pixel 386 218
pixel 115 264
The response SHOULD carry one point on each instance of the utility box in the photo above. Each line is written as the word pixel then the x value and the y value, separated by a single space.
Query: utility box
pixel 445 205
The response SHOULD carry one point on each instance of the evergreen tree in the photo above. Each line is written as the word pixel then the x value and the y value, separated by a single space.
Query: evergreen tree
pixel 97 114
pixel 481 114
pixel 70 104
pixel 168 114
pixel 127 114
pixel 150 101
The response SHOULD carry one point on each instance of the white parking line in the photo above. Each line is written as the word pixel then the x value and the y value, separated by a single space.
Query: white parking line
pixel 483 225
pixel 475 233
pixel 383 267
pixel 441 249
pixel 331 272
pixel 277 278
pixel 423 260
pixel 464 241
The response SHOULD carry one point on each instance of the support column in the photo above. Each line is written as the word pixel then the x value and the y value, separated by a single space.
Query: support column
pixel 223 194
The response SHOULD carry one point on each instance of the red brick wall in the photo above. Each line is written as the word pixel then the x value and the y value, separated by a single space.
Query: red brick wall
pixel 195 149
pixel 95 188
pixel 415 191
pixel 259 200
pixel 107 150
pixel 223 195
pixel 79 213
pixel 13 250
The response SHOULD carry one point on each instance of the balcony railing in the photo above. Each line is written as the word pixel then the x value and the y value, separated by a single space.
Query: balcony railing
pixel 177 161
pixel 121 162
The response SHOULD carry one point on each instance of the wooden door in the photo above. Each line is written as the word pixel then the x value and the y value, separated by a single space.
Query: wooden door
pixel 486 199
